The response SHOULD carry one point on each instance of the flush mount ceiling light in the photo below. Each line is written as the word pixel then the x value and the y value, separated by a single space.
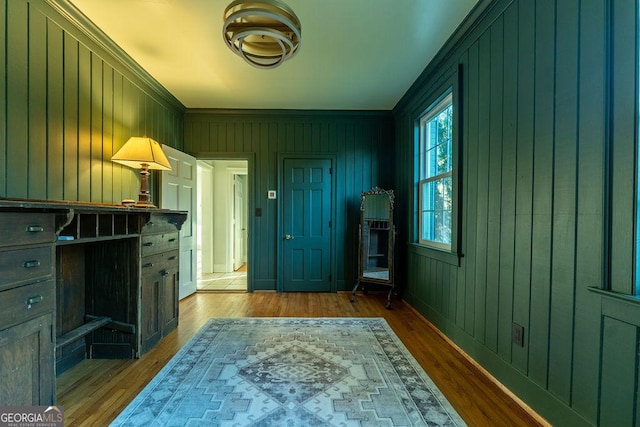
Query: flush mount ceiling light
pixel 265 33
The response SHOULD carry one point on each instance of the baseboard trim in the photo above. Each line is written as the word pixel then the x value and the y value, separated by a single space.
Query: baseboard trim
pixel 481 369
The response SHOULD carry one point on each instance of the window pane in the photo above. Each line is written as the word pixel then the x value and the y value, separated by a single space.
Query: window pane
pixel 436 147
pixel 436 210
pixel 444 157
pixel 427 225
pixel 435 169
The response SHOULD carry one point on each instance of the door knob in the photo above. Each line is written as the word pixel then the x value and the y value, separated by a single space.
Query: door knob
pixel 288 237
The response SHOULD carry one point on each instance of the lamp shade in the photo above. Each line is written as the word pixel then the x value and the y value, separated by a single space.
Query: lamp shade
pixel 142 150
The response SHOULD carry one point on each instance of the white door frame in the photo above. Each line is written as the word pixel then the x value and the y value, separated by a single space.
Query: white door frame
pixel 233 243
pixel 205 223
pixel 252 210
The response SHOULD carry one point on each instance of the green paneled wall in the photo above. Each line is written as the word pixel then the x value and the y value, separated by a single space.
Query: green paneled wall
pixel 361 143
pixel 69 104
pixel 548 135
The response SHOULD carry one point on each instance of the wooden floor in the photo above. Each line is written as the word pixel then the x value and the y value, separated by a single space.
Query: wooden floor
pixel 96 391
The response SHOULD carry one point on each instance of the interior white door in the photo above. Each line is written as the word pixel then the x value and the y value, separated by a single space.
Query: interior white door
pixel 238 222
pixel 178 191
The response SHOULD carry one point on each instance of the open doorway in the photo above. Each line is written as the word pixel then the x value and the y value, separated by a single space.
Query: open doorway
pixel 222 225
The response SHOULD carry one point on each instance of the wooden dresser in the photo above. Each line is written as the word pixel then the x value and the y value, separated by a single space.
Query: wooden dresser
pixel 81 281
pixel 27 307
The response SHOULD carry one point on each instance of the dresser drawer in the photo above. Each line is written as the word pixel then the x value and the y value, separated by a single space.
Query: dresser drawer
pixel 22 265
pixel 155 243
pixel 26 302
pixel 26 229
pixel 156 263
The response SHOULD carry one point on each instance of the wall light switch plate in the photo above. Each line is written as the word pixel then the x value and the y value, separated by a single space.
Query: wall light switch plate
pixel 271 194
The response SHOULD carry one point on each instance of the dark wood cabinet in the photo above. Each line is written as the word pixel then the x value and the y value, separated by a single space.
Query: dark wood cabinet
pixel 159 305
pixel 160 249
pixel 169 299
pixel 150 330
pixel 81 281
pixel 27 303
pixel 26 363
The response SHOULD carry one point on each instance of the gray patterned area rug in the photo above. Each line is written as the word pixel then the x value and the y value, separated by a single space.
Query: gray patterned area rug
pixel 291 372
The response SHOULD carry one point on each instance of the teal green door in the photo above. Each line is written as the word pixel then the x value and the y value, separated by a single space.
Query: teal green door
pixel 306 225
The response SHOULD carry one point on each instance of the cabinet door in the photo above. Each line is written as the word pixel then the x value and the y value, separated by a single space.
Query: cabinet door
pixel 170 287
pixel 26 363
pixel 150 323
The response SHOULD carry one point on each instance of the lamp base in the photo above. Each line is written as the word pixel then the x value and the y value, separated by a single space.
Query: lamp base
pixel 144 197
pixel 144 201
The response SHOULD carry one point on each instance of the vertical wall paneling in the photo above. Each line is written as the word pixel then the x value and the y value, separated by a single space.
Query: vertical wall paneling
pixel 55 112
pixel 117 135
pixel 17 85
pixel 96 118
pixel 107 189
pixel 71 86
pixel 620 356
pixel 589 221
pixel 130 128
pixel 423 292
pixel 471 184
pixel 524 180
pixel 542 190
pixel 549 90
pixel 495 182
pixel 3 99
pixel 509 162
pixel 463 109
pixel 453 290
pixel 58 117
pixel 85 177
pixel 564 206
pixel 37 118
pixel 548 87
pixel 483 159
pixel 435 291
pixel 624 113
pixel 358 140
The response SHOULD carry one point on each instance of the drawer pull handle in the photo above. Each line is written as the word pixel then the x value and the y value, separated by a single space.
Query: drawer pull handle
pixel 147 265
pixel 32 263
pixel 172 239
pixel 35 228
pixel 34 300
pixel 148 244
pixel 165 273
pixel 171 258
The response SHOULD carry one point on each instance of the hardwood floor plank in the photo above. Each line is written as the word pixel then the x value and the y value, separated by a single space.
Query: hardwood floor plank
pixel 95 391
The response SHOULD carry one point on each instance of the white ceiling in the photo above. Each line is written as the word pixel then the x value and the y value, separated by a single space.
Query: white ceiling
pixel 354 55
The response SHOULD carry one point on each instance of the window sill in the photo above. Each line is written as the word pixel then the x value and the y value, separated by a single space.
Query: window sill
pixel 615 295
pixel 437 254
pixel 622 307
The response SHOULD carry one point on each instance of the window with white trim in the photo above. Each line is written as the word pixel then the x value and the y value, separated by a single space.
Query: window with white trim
pixel 435 188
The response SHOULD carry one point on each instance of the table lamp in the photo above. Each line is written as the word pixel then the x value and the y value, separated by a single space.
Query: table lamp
pixel 144 153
